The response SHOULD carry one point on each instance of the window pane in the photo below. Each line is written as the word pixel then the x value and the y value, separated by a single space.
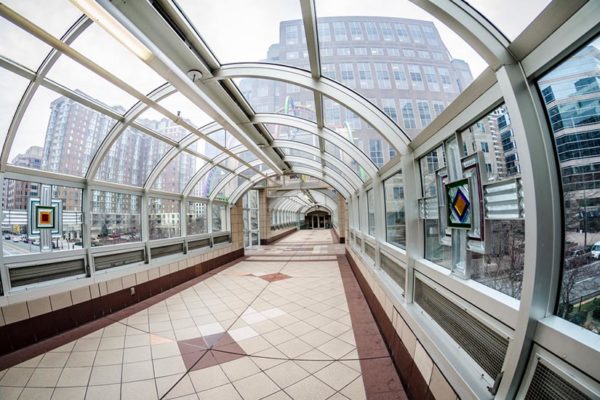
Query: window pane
pixel 394 210
pixel 68 133
pixel 208 182
pixel 177 173
pixel 571 93
pixel 197 217
pixel 116 218
pixel 163 218
pixel 12 87
pixel 270 96
pixel 502 267
pixel 371 211
pixel 16 217
pixel 219 217
pixel 131 158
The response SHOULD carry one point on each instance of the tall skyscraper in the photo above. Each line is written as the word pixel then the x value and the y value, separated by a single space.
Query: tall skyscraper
pixel 401 65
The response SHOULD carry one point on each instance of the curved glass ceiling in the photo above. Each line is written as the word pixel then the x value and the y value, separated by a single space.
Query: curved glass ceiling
pixel 511 24
pixel 258 29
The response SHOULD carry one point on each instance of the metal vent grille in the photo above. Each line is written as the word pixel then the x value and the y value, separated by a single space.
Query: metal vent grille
pixel 117 260
pixel 198 244
pixel 163 251
pixel 221 239
pixel 395 271
pixel 484 345
pixel 369 251
pixel 45 272
pixel 547 384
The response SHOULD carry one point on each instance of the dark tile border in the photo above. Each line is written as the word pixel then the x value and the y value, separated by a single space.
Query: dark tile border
pixel 415 385
pixel 380 378
pixel 29 338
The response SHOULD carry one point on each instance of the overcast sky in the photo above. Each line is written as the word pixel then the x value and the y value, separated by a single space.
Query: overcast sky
pixel 236 30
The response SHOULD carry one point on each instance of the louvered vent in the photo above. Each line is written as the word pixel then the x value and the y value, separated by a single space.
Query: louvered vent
pixel 45 272
pixel 547 384
pixel 117 260
pixel 198 244
pixel 484 345
pixel 395 271
pixel 370 251
pixel 168 250
pixel 221 239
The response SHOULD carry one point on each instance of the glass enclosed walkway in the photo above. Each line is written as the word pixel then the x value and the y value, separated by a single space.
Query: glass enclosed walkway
pixel 286 321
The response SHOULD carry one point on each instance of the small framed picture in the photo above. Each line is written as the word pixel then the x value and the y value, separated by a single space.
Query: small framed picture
pixel 45 217
pixel 459 204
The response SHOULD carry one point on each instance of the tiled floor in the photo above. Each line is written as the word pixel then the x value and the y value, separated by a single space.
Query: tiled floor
pixel 276 325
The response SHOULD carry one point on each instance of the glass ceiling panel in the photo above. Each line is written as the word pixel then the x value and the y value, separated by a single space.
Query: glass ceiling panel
pixel 267 31
pixel 290 133
pixel 177 104
pixel 353 128
pixel 511 24
pixel 99 46
pixel 247 156
pixel 271 96
pixel 12 87
pixel 55 17
pixel 225 193
pixel 131 158
pixel 178 173
pixel 77 78
pixel 29 52
pixel 300 153
pixel 225 139
pixel 394 51
pixel 62 134
pixel 208 182
pixel 346 159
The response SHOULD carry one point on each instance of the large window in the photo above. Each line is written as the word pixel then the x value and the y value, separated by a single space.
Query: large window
pixel 116 218
pixel 197 217
pixel 219 217
pixel 371 212
pixel 163 218
pixel 20 235
pixel 395 228
pixel 571 93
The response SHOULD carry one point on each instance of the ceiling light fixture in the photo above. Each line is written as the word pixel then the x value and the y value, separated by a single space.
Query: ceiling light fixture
pixel 100 16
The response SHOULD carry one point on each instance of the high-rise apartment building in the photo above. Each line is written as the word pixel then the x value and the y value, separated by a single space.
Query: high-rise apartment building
pixel 400 65
pixel 16 193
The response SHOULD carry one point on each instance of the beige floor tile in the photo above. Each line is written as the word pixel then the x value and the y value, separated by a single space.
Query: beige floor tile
pixel 287 374
pixel 31 363
pixel 208 378
pixel 36 394
pixel 168 366
pixel 138 371
pixel 87 344
pixel 137 340
pixel 44 377
pixel 268 358
pixel 239 369
pixel 77 376
pixel 337 375
pixel 174 386
pixel 75 393
pixel 336 348
pixel 137 354
pixel 16 377
pixel 54 360
pixel 225 392
pixel 104 392
pixel 106 375
pixel 310 388
pixel 278 336
pixel 109 357
pixel 355 390
pixel 316 337
pixel 256 386
pixel 81 359
pixel 254 345
pixel 281 395
pixel 112 343
pixel 164 350
pixel 293 348
pixel 141 390
pixel 10 393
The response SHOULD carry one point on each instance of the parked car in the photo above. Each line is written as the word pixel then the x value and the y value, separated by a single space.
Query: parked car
pixel 596 250
pixel 16 239
pixel 577 256
pixel 7 237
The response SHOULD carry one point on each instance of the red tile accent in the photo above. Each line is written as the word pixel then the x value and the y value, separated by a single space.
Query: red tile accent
pixel 274 277
pixel 380 377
